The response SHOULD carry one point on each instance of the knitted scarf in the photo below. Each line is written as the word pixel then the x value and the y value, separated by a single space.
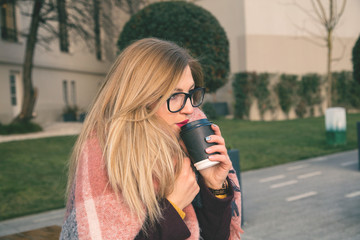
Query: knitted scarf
pixel 95 212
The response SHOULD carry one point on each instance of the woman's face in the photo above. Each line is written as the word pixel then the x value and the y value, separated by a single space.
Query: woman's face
pixel 178 119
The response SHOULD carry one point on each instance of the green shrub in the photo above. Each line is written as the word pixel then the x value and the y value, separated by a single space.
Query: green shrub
pixel 209 111
pixel 309 94
pixel 286 90
pixel 356 60
pixel 243 92
pixel 191 27
pixel 262 93
pixel 346 91
pixel 19 127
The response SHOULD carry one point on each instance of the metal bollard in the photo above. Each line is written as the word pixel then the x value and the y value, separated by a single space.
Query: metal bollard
pixel 358 137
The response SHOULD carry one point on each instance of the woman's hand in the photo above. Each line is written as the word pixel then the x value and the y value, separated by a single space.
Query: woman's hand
pixel 215 176
pixel 185 188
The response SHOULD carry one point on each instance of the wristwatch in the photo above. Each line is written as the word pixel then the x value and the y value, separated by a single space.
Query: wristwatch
pixel 223 190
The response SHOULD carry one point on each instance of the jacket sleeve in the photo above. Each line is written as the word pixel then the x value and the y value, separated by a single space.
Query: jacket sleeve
pixel 214 215
pixel 171 226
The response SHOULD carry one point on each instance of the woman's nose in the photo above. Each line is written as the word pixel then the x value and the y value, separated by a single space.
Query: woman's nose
pixel 188 108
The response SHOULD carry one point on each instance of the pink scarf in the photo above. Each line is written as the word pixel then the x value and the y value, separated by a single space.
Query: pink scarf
pixel 101 215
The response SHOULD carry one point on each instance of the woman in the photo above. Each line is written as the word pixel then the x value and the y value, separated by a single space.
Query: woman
pixel 129 176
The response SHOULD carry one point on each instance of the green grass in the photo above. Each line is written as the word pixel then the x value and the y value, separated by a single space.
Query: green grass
pixel 33 175
pixel 33 172
pixel 264 144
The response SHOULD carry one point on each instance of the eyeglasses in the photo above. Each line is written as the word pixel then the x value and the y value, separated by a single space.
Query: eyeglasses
pixel 177 101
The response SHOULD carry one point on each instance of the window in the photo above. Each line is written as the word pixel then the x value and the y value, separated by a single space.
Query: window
pixel 73 92
pixel 69 94
pixel 8 20
pixel 13 90
pixel 65 93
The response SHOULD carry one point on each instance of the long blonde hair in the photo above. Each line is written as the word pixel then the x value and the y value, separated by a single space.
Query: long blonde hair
pixel 142 154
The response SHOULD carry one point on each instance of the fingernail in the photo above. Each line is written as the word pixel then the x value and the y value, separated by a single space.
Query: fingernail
pixel 211 157
pixel 214 125
pixel 207 150
pixel 208 138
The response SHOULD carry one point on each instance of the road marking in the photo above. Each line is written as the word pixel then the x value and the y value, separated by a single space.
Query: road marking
pixel 297 167
pixel 349 163
pixel 301 196
pixel 319 159
pixel 269 179
pixel 283 184
pixel 353 194
pixel 312 174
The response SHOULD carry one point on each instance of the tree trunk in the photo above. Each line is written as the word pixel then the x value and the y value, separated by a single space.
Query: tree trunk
pixel 329 75
pixel 97 32
pixel 30 94
pixel 63 33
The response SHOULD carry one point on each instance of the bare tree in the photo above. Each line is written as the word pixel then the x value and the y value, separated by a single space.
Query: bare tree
pixel 46 15
pixel 327 13
pixel 63 31
pixel 30 94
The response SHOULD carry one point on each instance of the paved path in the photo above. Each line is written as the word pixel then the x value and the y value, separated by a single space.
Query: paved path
pixel 55 129
pixel 317 198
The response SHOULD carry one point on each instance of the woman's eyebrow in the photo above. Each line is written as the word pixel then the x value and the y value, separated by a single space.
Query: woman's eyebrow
pixel 181 90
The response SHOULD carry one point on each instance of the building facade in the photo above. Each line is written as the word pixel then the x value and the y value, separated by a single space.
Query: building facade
pixel 275 36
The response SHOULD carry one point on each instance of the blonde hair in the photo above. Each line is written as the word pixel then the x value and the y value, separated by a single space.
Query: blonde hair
pixel 142 154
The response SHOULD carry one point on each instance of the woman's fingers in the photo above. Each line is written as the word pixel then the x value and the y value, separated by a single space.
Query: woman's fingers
pixel 215 139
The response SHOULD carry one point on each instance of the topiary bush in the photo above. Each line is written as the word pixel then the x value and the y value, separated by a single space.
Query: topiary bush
pixel 346 92
pixel 286 90
pixel 191 27
pixel 209 111
pixel 262 93
pixel 309 93
pixel 19 128
pixel 243 89
pixel 356 60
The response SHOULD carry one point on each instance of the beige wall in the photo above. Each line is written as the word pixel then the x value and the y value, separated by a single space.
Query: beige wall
pixel 276 36
pixel 296 55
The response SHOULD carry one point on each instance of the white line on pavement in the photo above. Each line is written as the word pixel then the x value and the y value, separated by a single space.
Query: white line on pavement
pixel 297 167
pixel 307 175
pixel 269 179
pixel 283 184
pixel 319 159
pixel 349 163
pixel 301 196
pixel 353 194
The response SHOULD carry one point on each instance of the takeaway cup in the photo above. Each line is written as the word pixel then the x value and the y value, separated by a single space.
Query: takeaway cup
pixel 193 135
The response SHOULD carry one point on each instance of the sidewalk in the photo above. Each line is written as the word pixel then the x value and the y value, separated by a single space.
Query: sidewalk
pixel 50 130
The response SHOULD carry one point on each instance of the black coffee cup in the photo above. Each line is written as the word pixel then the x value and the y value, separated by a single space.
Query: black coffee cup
pixel 193 135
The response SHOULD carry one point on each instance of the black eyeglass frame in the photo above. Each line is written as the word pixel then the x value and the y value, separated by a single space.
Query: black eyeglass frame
pixel 187 95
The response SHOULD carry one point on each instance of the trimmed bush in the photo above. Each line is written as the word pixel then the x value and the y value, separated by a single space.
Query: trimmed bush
pixel 286 90
pixel 19 127
pixel 262 93
pixel 191 27
pixel 209 111
pixel 356 60
pixel 346 91
pixel 243 92
pixel 308 93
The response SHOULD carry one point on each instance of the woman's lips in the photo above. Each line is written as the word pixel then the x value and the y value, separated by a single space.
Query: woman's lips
pixel 180 124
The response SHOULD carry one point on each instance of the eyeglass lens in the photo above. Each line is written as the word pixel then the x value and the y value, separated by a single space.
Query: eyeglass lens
pixel 178 100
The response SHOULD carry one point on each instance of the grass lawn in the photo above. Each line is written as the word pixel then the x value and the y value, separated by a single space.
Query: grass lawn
pixel 33 175
pixel 263 144
pixel 33 172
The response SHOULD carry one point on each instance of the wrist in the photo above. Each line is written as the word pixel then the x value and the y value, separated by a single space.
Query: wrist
pixel 220 190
